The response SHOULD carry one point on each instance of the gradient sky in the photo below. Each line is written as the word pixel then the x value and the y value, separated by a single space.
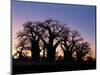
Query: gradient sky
pixel 77 17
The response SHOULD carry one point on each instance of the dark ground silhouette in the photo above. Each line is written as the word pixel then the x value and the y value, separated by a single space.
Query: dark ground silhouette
pixel 40 68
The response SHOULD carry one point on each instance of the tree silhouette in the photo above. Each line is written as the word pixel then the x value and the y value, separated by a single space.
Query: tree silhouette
pixel 46 36
pixel 70 38
pixel 32 39
pixel 82 49
pixel 20 47
pixel 51 40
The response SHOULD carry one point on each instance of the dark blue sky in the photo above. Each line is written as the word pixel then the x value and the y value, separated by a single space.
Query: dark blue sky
pixel 77 17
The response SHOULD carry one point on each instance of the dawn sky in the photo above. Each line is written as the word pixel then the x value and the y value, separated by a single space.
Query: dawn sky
pixel 80 18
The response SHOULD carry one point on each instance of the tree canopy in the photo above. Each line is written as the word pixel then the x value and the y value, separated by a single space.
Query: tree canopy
pixel 46 37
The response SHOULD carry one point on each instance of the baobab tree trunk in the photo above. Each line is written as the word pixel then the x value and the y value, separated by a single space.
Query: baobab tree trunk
pixel 51 54
pixel 21 57
pixel 67 57
pixel 35 52
pixel 79 58
pixel 67 54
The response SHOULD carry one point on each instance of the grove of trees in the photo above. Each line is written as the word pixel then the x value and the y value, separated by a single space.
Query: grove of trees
pixel 45 37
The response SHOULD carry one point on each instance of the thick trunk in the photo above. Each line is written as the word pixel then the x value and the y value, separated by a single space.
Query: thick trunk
pixel 79 59
pixel 67 54
pixel 51 55
pixel 68 57
pixel 35 52
pixel 50 51
pixel 21 57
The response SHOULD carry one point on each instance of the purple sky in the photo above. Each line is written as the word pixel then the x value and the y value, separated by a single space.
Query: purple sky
pixel 77 17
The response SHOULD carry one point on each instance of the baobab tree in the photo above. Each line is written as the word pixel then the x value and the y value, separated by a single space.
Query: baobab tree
pixel 51 39
pixel 82 49
pixel 32 39
pixel 19 49
pixel 70 38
